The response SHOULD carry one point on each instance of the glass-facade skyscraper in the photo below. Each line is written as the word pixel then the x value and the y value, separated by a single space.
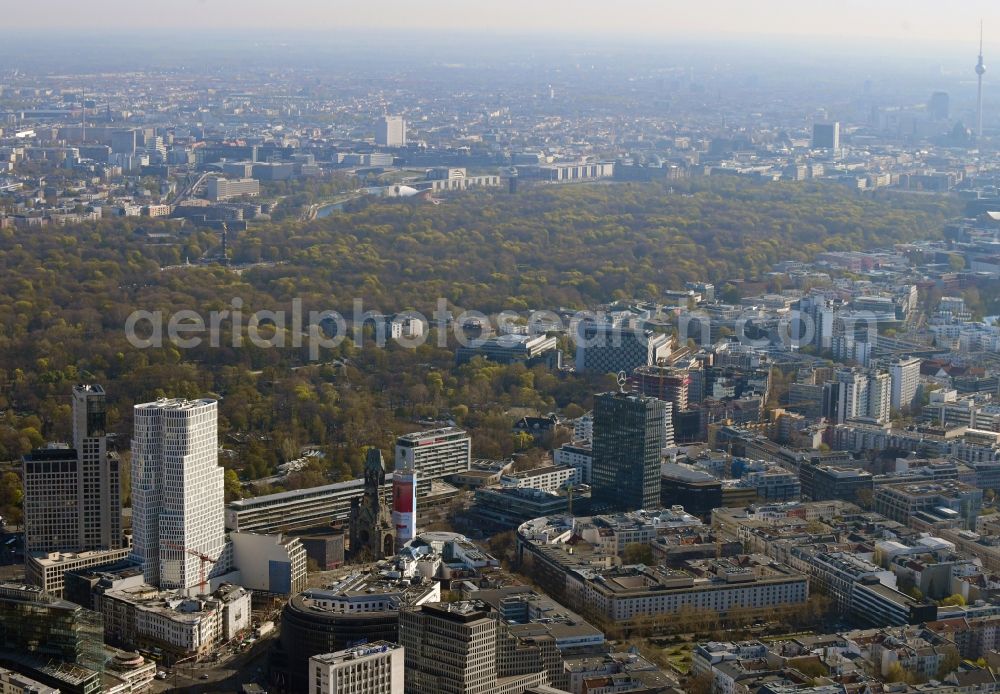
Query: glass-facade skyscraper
pixel 628 440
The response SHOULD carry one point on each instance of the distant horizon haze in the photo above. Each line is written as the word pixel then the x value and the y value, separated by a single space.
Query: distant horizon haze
pixel 895 20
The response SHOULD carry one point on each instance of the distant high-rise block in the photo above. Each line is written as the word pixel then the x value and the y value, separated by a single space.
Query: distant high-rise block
pixel 603 348
pixel 862 394
pixel 124 141
pixel 826 136
pixel 72 497
pixel 980 71
pixel 628 442
pixel 663 382
pixel 391 132
pixel 939 106
pixel 905 375
pixel 222 189
pixel 177 491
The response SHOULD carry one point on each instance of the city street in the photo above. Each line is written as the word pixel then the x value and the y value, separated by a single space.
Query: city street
pixel 225 676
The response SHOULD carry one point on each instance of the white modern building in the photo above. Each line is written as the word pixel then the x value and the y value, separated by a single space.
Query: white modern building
pixel 224 188
pixel 48 570
pixel 905 375
pixel 879 396
pixel 390 131
pixel 178 502
pixel 434 454
pixel 577 454
pixel 583 428
pixel 274 563
pixel 375 668
pixel 551 478
pixel 863 394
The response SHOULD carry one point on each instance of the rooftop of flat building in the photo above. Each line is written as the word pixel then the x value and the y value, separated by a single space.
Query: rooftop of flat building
pixel 56 558
pixel 703 574
pixel 174 604
pixel 539 471
pixel 279 497
pixel 461 611
pixel 371 585
pixel 928 488
pixel 419 437
pixel 60 453
pixel 513 340
pixel 373 648
pixel 546 616
pixel 120 569
pixel 175 404
pixel 686 473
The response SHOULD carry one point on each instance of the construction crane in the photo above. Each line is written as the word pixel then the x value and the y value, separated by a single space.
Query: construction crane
pixel 204 559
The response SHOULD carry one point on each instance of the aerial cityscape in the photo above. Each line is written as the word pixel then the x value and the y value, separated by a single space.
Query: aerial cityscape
pixel 546 348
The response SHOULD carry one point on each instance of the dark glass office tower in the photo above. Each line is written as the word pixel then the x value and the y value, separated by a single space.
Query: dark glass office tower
pixel 628 439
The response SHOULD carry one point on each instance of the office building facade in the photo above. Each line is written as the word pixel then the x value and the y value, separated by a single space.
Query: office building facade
pixel 223 189
pixel 464 647
pixel 51 509
pixel 433 455
pixel 576 454
pixel 72 496
pixel 390 131
pixel 100 476
pixel 124 141
pixel 862 394
pixel 297 509
pixel 905 375
pixel 177 491
pixel 358 608
pixel 827 482
pixel 375 668
pixel 663 382
pixel 628 440
pixel 36 624
pixel 610 349
pixel 826 136
pixel 48 571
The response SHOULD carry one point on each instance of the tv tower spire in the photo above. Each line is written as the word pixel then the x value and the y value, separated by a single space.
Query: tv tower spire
pixel 980 69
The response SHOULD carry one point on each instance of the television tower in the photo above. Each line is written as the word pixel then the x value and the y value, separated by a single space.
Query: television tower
pixel 980 69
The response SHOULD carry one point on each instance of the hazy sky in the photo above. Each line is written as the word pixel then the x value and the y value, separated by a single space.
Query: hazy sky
pixel 916 20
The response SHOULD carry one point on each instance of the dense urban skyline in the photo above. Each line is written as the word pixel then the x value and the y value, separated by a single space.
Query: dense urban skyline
pixel 521 348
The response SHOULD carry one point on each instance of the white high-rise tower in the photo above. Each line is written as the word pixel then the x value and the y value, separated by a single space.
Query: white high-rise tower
pixel 980 69
pixel 390 131
pixel 178 501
